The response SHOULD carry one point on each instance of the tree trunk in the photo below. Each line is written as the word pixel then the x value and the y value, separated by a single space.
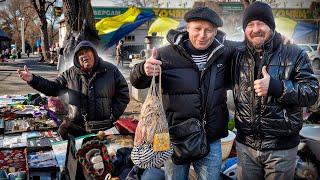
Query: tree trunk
pixel 75 12
pixel 45 40
pixel 41 9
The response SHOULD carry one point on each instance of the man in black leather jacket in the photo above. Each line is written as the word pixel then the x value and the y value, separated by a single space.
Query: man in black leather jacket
pixel 272 82
pixel 96 89
pixel 187 67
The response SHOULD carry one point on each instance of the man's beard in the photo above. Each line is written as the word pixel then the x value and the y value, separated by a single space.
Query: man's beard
pixel 256 46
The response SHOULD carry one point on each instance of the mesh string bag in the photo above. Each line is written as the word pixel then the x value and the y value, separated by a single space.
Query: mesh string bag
pixel 152 141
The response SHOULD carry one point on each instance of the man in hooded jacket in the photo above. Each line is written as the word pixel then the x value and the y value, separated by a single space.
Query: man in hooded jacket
pixel 97 91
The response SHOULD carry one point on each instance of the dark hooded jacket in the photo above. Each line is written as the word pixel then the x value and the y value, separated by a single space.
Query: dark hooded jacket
pixel 101 95
pixel 273 121
pixel 185 88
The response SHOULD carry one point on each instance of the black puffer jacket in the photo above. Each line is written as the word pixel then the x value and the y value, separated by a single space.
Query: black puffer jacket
pixel 185 88
pixel 270 122
pixel 100 95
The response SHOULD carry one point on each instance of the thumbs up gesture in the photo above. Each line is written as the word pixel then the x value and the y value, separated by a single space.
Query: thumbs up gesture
pixel 25 74
pixel 152 65
pixel 261 86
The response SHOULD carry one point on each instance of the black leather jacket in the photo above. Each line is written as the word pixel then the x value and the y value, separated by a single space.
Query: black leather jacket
pixel 272 122
pixel 185 88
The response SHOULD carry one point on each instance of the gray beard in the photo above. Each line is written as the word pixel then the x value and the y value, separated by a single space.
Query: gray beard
pixel 254 46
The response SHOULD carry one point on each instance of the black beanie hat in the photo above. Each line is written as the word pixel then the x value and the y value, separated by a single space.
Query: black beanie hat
pixel 258 11
pixel 203 13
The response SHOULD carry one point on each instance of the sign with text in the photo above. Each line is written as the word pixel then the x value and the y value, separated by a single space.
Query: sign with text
pixel 102 12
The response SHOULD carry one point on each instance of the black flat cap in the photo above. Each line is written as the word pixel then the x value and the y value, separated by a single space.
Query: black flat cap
pixel 203 13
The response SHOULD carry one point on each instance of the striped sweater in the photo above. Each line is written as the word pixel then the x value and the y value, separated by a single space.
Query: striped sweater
pixel 200 57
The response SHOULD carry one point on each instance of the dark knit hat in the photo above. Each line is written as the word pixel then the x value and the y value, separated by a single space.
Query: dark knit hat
pixel 258 11
pixel 203 13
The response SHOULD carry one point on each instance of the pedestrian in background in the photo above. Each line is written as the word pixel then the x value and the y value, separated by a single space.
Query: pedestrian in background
pixel 120 53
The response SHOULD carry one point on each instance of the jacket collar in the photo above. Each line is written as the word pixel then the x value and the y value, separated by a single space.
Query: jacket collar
pixel 176 39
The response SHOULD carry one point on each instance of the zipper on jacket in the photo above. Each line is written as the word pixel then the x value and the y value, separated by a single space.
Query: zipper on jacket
pixel 200 74
pixel 286 118
pixel 252 65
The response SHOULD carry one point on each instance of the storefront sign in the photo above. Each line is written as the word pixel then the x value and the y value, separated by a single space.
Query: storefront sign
pixel 231 6
pixel 174 13
pixel 293 13
pixel 102 12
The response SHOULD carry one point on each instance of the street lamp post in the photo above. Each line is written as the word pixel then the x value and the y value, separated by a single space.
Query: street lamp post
pixel 22 34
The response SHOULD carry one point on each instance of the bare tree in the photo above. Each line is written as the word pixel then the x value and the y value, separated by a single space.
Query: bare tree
pixel 41 7
pixel 10 15
pixel 53 30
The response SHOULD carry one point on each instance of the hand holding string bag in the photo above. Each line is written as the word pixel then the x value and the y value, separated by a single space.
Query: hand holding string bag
pixel 152 141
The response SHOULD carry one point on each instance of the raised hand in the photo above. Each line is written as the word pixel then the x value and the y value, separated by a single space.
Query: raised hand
pixel 261 86
pixel 151 65
pixel 25 74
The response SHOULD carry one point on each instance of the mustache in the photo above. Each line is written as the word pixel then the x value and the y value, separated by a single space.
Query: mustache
pixel 258 34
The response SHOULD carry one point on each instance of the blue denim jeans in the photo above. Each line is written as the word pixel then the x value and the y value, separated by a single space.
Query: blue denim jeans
pixel 207 168
pixel 152 174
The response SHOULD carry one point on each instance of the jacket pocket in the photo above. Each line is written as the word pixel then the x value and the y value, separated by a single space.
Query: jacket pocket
pixel 293 120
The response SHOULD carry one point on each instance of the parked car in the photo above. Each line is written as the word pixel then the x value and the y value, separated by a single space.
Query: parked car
pixel 313 54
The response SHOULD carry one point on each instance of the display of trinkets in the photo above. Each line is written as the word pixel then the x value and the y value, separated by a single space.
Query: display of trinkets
pixel 42 139
pixel 39 142
pixel 1 126
pixel 13 160
pixel 29 124
pixel 31 127
pixel 1 141
pixel 41 159
pixel 14 126
pixel 11 99
pixel 14 141
pixel 42 124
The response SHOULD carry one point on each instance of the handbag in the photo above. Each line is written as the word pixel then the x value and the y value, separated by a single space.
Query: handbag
pixel 96 126
pixel 189 137
pixel 189 141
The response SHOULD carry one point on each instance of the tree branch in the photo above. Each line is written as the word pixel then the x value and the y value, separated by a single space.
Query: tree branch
pixel 49 4
pixel 34 3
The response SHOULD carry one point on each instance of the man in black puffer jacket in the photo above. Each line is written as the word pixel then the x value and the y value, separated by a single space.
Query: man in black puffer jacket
pixel 272 82
pixel 187 67
pixel 96 89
